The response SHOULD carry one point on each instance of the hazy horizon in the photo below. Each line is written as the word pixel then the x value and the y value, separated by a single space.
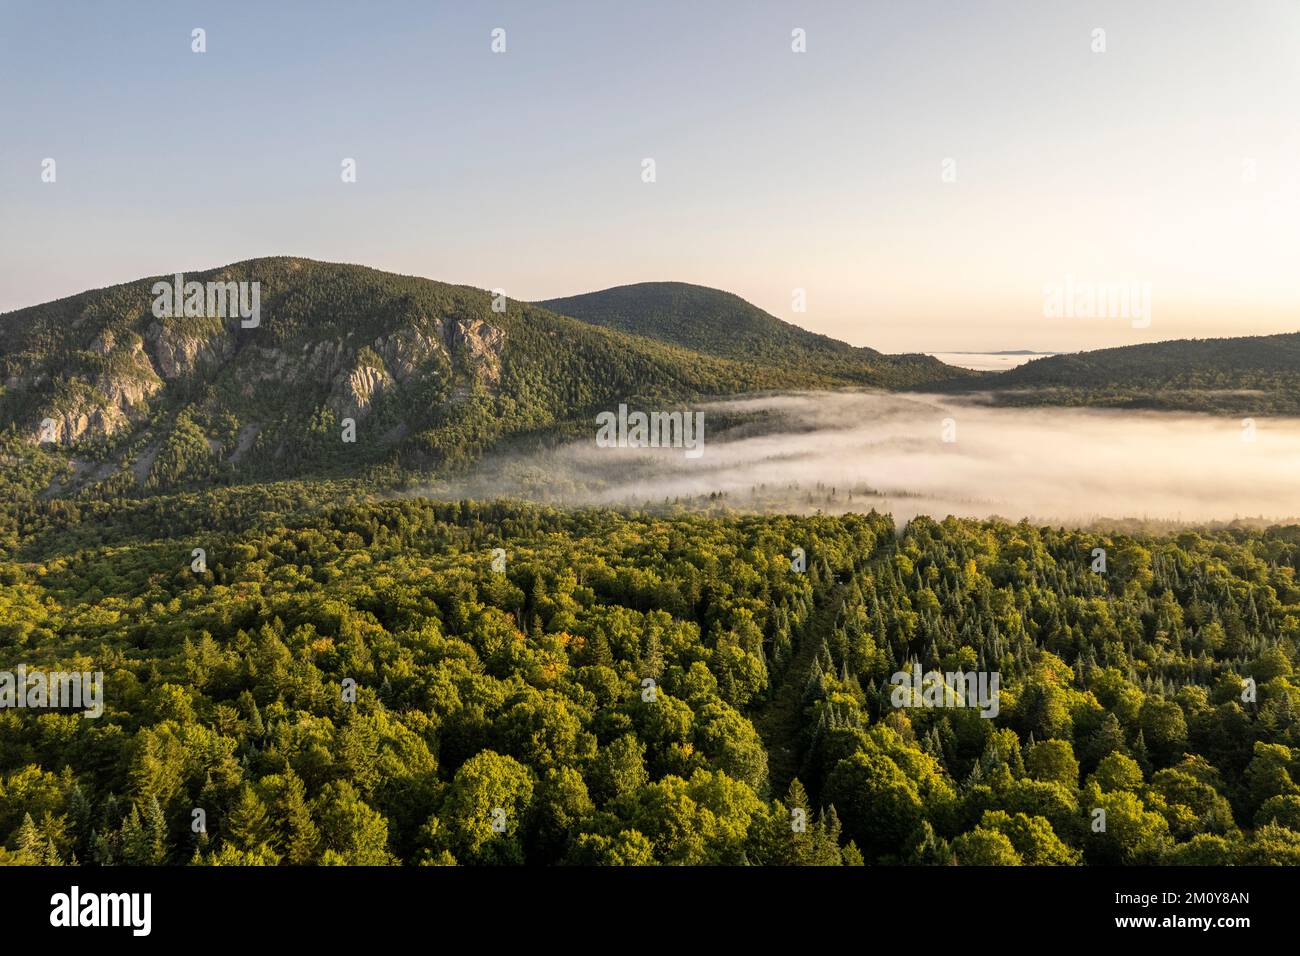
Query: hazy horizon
pixel 924 173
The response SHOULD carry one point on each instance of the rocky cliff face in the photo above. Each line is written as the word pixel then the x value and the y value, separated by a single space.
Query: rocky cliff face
pixel 354 391
pixel 65 426
pixel 130 379
pixel 177 353
pixel 409 349
pixel 130 361
pixel 481 344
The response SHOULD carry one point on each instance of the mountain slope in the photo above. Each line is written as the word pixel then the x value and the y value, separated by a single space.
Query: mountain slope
pixel 719 323
pixel 1249 374
pixel 428 373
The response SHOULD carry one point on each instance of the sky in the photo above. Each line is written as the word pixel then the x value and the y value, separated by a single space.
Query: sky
pixel 929 174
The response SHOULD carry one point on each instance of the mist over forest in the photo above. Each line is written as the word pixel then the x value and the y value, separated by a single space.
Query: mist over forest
pixel 853 451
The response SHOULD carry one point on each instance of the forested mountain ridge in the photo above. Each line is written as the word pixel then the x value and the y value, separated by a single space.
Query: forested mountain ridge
pixel 429 373
pixel 350 371
pixel 721 323
pixel 1248 375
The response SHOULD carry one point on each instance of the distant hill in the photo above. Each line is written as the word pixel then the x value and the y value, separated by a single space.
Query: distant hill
pixel 719 323
pixel 1250 374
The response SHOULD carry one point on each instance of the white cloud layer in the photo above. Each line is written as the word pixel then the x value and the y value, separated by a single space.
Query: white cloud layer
pixel 787 452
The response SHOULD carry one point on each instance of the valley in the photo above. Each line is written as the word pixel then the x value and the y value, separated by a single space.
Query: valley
pixel 430 601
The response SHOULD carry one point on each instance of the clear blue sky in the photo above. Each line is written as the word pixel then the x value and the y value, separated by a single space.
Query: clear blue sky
pixel 775 170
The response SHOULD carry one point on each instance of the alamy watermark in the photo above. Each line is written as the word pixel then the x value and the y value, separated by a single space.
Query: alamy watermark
pixel 57 690
pixel 976 689
pixel 133 911
pixel 651 430
pixel 1097 300
pixel 215 300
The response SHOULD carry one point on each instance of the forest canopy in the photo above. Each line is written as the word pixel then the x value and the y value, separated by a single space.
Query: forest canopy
pixel 352 681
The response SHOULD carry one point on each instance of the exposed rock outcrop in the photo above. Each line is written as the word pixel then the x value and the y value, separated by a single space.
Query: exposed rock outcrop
pixel 355 391
pixel 179 353
pixel 480 342
pixel 68 426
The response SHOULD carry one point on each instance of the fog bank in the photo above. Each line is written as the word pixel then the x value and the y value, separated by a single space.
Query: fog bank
pixel 909 455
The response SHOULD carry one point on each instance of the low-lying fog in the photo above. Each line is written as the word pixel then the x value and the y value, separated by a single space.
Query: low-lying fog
pixel 920 454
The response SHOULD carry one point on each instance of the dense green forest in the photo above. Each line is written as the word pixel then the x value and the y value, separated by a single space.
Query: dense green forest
pixel 597 687
pixel 346 670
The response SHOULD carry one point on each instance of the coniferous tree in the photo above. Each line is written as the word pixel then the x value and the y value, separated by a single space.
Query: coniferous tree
pixel 249 825
pixel 300 837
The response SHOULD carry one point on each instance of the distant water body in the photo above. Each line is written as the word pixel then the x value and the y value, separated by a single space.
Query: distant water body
pixel 988 361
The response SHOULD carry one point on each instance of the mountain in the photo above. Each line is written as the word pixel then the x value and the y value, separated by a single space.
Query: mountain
pixel 428 374
pixel 719 323
pixel 1249 375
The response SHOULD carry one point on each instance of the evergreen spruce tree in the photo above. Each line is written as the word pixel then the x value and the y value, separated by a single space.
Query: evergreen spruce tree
pixel 31 843
pixel 249 824
pixel 50 855
pixel 155 826
pixel 104 851
pixel 300 836
pixel 137 847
